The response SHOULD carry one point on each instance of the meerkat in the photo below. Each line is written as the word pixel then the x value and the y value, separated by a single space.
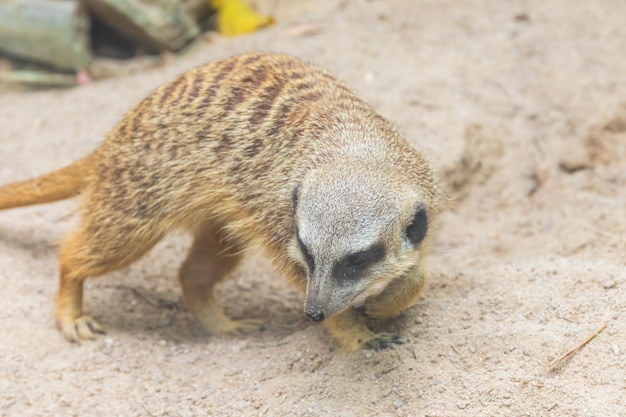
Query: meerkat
pixel 255 149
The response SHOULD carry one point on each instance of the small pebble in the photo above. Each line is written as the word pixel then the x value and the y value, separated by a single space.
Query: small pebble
pixel 575 158
pixel 398 403
pixel 609 284
pixel 615 349
pixel 462 406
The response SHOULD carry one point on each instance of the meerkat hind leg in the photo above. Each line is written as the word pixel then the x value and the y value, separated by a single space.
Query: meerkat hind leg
pixel 89 254
pixel 210 260
pixel 73 324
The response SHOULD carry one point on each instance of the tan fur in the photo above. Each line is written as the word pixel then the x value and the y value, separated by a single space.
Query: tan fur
pixel 219 152
pixel 58 185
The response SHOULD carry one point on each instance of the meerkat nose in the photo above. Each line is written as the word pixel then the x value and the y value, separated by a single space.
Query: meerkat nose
pixel 315 315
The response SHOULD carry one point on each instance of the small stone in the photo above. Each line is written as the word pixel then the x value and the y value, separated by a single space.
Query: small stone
pixel 462 406
pixel 609 284
pixel 615 349
pixel 575 158
pixel 522 18
pixel 398 403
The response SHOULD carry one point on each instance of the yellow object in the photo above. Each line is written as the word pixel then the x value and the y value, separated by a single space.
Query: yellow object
pixel 235 17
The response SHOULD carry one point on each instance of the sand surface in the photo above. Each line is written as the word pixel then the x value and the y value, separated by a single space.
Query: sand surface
pixel 519 104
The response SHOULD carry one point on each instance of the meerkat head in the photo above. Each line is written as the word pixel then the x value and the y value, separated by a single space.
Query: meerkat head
pixel 357 229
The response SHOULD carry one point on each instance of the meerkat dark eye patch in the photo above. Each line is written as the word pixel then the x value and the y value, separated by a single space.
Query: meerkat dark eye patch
pixel 416 230
pixel 305 252
pixel 352 265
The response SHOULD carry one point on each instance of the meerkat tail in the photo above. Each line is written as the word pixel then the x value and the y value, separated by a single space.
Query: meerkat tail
pixel 57 185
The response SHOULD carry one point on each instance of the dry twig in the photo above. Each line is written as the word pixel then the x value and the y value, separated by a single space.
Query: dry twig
pixel 555 363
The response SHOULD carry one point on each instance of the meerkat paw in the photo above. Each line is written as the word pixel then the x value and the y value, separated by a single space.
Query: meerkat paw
pixel 351 332
pixel 384 341
pixel 243 326
pixel 218 323
pixel 81 328
pixel 376 342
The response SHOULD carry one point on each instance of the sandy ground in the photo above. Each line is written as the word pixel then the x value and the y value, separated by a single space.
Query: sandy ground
pixel 520 106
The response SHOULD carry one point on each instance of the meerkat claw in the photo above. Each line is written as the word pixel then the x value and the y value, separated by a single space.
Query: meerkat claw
pixel 362 310
pixel 247 326
pixel 385 341
pixel 82 328
pixel 238 327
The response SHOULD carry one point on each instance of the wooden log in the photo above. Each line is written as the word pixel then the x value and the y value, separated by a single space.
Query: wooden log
pixel 198 10
pixel 157 24
pixel 54 33
pixel 38 78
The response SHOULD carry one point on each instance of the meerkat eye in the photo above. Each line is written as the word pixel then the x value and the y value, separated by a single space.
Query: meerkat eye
pixel 357 262
pixel 416 231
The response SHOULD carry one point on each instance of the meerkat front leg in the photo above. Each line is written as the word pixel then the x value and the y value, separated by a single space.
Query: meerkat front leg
pixel 350 328
pixel 352 334
pixel 399 295
pixel 210 260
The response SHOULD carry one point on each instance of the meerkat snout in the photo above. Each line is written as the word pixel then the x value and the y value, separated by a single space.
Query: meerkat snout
pixel 315 315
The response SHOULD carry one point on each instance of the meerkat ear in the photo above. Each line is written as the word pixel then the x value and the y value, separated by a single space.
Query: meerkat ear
pixel 295 196
pixel 416 230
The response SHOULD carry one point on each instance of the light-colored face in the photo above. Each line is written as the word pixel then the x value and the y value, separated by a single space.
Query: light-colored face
pixel 357 229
